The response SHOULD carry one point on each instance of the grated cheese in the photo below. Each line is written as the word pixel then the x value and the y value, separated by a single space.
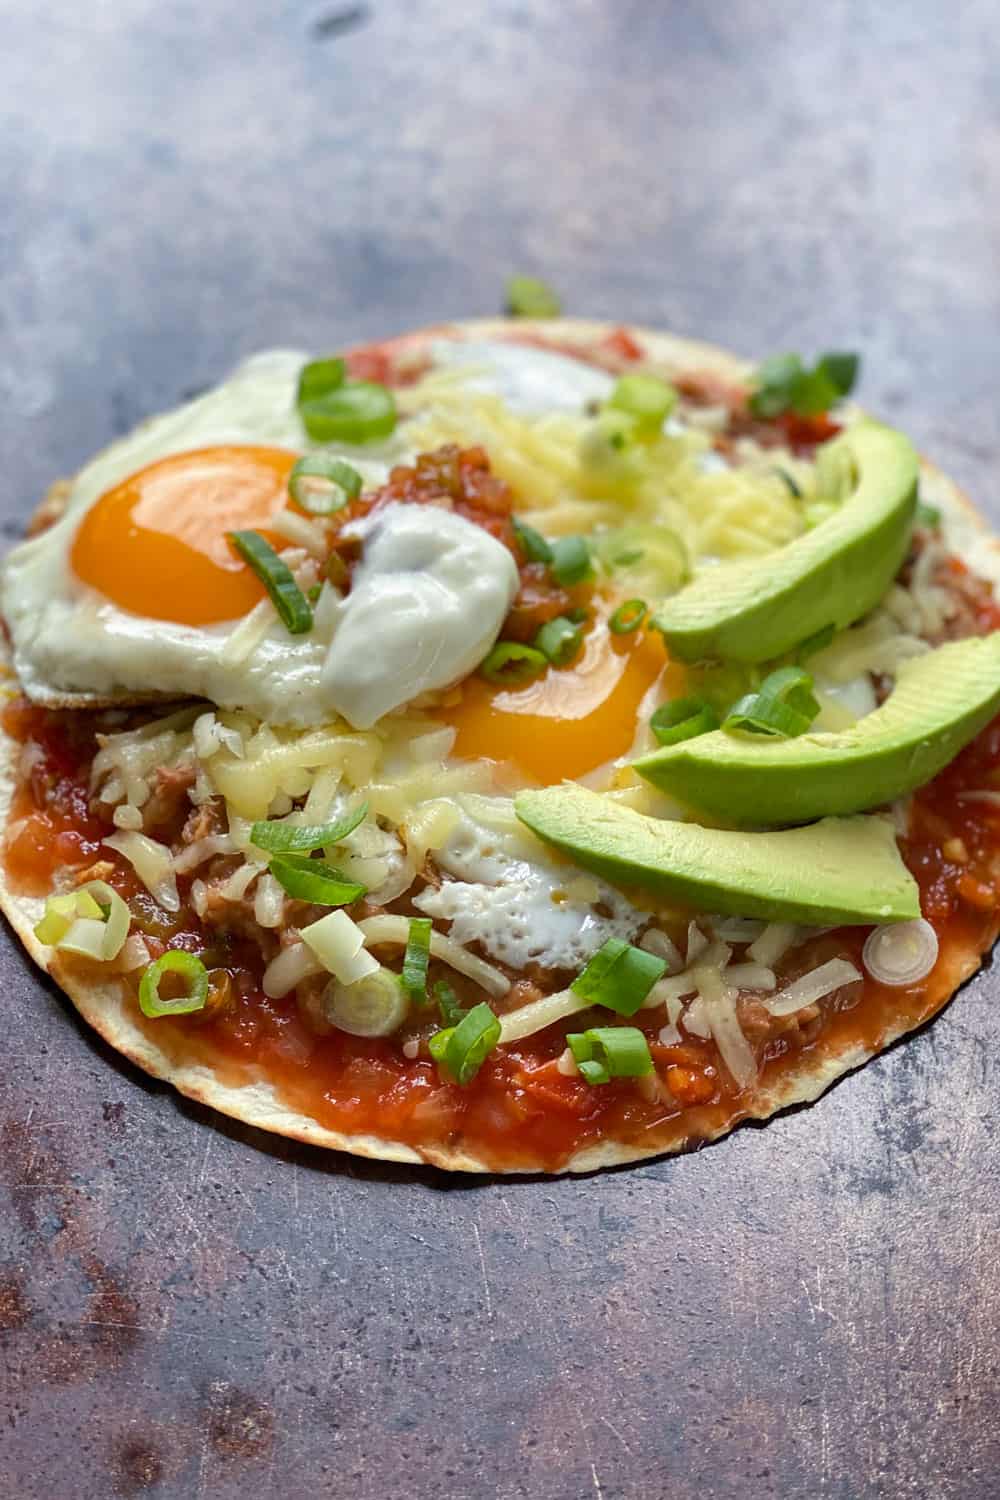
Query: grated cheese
pixel 813 986
pixel 152 862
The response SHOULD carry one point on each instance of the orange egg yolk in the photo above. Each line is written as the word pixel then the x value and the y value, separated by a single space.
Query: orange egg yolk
pixel 156 544
pixel 573 719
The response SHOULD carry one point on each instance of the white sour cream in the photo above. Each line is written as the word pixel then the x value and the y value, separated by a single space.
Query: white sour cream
pixel 426 604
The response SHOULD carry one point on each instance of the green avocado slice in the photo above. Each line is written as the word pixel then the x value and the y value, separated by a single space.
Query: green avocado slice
pixel 760 607
pixel 940 702
pixel 839 871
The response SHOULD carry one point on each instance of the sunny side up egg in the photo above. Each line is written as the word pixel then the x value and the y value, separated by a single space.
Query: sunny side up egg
pixel 137 590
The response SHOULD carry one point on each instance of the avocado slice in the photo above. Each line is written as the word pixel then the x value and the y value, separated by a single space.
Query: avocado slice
pixel 940 702
pixel 842 870
pixel 760 607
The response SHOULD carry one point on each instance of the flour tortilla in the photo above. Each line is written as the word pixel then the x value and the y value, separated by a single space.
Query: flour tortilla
pixel 102 1001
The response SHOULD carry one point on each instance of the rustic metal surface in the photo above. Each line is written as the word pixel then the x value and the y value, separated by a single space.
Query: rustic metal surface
pixel 189 1308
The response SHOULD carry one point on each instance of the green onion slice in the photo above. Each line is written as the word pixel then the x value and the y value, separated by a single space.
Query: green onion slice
pixel 648 400
pixel 359 411
pixel 619 977
pixel 528 297
pixel 559 640
pixel 814 643
pixel 790 482
pixel 416 958
pixel 463 1048
pixel 841 368
pixel 533 544
pixel 784 383
pixel 341 484
pixel 319 378
pixel 286 596
pixel 93 921
pixel 652 557
pixel 448 1004
pixel 928 515
pixel 308 879
pixel 510 663
pixel 606 1052
pixel 571 560
pixel 628 617
pixel 682 719
pixel 783 705
pixel 280 838
pixel 174 961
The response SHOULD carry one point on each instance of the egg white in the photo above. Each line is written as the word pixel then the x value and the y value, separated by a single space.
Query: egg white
pixel 503 892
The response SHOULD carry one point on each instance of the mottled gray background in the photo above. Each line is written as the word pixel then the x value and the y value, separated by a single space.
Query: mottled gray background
pixel 190 1309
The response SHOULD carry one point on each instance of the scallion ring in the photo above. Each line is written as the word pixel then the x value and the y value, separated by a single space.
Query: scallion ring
pixel 318 378
pixel 373 1006
pixel 339 484
pixel 359 411
pixel 190 968
pixel 528 297
pixel 559 640
pixel 533 544
pixel 619 977
pixel 645 398
pixel 571 561
pixel 682 719
pixel 628 617
pixel 448 1003
pixel 281 838
pixel 462 1049
pixel 307 879
pixel 415 960
pixel 783 705
pixel 606 1052
pixel 286 596
pixel 510 663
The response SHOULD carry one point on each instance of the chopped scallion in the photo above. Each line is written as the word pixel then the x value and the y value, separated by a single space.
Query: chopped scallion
pixel 510 663
pixel 533 544
pixel 790 482
pixel 311 880
pixel 648 400
pixel 528 297
pixel 783 705
pixel 286 596
pixel 415 960
pixel 619 977
pixel 784 383
pixel 682 719
pixel 448 1003
pixel 190 968
pixel 814 643
pixel 359 411
pixel 280 838
pixel 627 617
pixel 559 640
pixel 606 1052
pixel 462 1049
pixel 571 560
pixel 319 378
pixel 338 483
pixel 928 516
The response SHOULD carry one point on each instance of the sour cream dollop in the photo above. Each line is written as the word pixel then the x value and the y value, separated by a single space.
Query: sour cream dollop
pixel 426 604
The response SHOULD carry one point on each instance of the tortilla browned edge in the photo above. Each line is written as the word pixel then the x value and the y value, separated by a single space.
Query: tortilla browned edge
pixel 103 1001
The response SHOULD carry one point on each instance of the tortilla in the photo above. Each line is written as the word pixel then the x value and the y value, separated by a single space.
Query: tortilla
pixel 105 1003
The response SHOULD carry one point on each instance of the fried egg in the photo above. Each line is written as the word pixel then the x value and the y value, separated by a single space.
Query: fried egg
pixel 505 892
pixel 135 591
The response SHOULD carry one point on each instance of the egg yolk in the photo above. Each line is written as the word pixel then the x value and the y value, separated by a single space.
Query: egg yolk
pixel 572 719
pixel 156 545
